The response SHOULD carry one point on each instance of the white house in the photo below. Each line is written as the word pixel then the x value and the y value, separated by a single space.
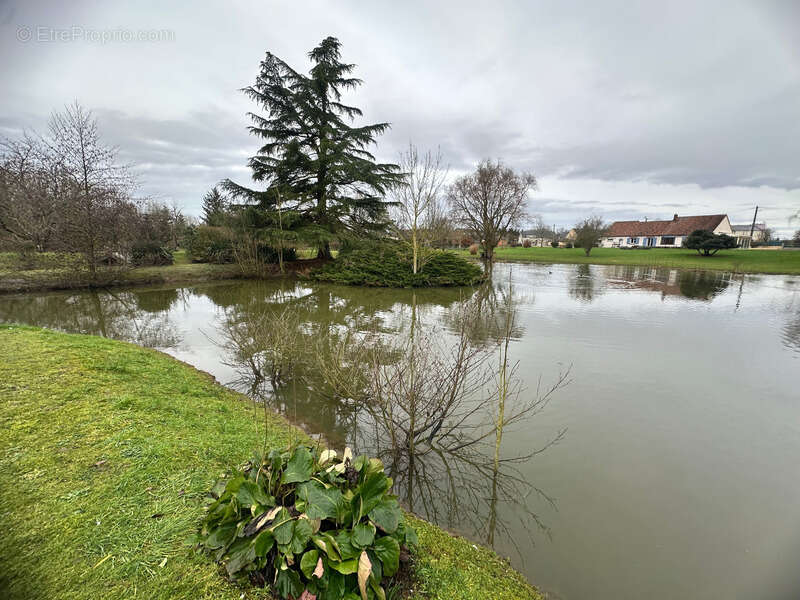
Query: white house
pixel 742 233
pixel 662 234
pixel 534 238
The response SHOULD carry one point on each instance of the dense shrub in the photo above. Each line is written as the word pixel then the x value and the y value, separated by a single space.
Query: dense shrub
pixel 309 525
pixel 473 249
pixel 151 254
pixel 707 243
pixel 383 264
pixel 554 244
pixel 526 243
pixel 210 245
pixel 269 255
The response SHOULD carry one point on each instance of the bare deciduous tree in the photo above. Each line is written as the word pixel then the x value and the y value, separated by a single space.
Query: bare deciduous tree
pixel 30 187
pixel 97 208
pixel 491 201
pixel 418 212
pixel 589 232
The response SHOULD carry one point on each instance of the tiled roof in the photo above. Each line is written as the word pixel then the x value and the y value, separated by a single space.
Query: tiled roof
pixel 676 226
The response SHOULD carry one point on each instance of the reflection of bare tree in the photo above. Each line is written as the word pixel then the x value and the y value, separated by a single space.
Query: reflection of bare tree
pixel 112 313
pixel 435 413
pixel 372 372
pixel 275 336
pixel 582 285
pixel 489 307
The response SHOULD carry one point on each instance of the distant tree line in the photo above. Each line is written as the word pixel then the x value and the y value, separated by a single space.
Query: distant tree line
pixel 66 191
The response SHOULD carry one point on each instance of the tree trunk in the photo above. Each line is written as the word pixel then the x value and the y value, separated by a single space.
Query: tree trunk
pixel 414 245
pixel 324 251
pixel 587 250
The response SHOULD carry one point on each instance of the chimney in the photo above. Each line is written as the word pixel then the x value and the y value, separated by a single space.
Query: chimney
pixel 675 218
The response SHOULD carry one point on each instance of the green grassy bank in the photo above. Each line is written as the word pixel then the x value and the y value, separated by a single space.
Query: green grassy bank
pixel 50 271
pixel 738 261
pixel 106 450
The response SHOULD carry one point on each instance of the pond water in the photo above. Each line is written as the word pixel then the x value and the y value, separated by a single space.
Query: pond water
pixel 674 472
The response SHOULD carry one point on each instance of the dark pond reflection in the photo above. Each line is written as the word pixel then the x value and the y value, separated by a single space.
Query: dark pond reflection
pixel 669 462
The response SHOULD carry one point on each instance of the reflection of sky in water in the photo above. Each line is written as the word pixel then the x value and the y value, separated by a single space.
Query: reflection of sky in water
pixel 678 473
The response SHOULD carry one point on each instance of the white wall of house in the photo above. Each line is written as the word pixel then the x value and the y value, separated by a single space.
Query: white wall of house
pixel 534 241
pixel 655 241
pixel 724 227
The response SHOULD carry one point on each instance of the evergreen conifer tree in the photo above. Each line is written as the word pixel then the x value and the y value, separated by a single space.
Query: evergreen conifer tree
pixel 314 161
pixel 214 207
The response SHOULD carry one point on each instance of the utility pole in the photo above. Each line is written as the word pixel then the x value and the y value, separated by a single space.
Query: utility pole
pixel 753 226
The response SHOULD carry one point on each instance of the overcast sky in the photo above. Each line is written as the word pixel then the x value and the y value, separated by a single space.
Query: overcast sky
pixel 622 109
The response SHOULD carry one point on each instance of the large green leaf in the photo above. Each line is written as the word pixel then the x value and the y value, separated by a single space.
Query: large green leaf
pixel 363 535
pixel 387 515
pixel 250 493
pixel 288 583
pixel 335 582
pixel 345 567
pixel 372 489
pixel 326 543
pixel 344 542
pixel 388 551
pixel 299 467
pixel 221 536
pixel 283 527
pixel 309 562
pixel 301 534
pixel 263 543
pixel 321 502
pixel 241 554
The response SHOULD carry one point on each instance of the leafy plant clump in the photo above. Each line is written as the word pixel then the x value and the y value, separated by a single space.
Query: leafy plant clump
pixel 309 525
pixel 384 264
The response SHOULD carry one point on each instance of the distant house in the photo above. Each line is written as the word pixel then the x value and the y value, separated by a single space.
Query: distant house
pixel 534 238
pixel 743 237
pixel 662 234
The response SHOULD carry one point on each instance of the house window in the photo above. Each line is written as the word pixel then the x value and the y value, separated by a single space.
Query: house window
pixel 668 240
pixel 635 241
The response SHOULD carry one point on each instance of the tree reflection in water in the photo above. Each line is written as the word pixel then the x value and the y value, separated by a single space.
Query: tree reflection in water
pixel 681 283
pixel 582 285
pixel 377 375
pixel 140 316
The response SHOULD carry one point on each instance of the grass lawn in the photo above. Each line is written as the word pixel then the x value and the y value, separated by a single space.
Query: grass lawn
pixel 51 270
pixel 739 261
pixel 106 450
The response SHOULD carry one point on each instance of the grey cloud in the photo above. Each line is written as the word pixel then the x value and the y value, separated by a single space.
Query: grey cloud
pixel 666 93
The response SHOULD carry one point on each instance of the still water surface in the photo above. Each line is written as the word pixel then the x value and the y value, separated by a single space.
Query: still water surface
pixel 678 472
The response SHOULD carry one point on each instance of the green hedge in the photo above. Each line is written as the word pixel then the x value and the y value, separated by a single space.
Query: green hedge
pixel 206 244
pixel 387 264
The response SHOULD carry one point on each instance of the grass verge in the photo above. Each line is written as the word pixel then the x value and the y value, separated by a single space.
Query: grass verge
pixel 738 261
pixel 106 450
